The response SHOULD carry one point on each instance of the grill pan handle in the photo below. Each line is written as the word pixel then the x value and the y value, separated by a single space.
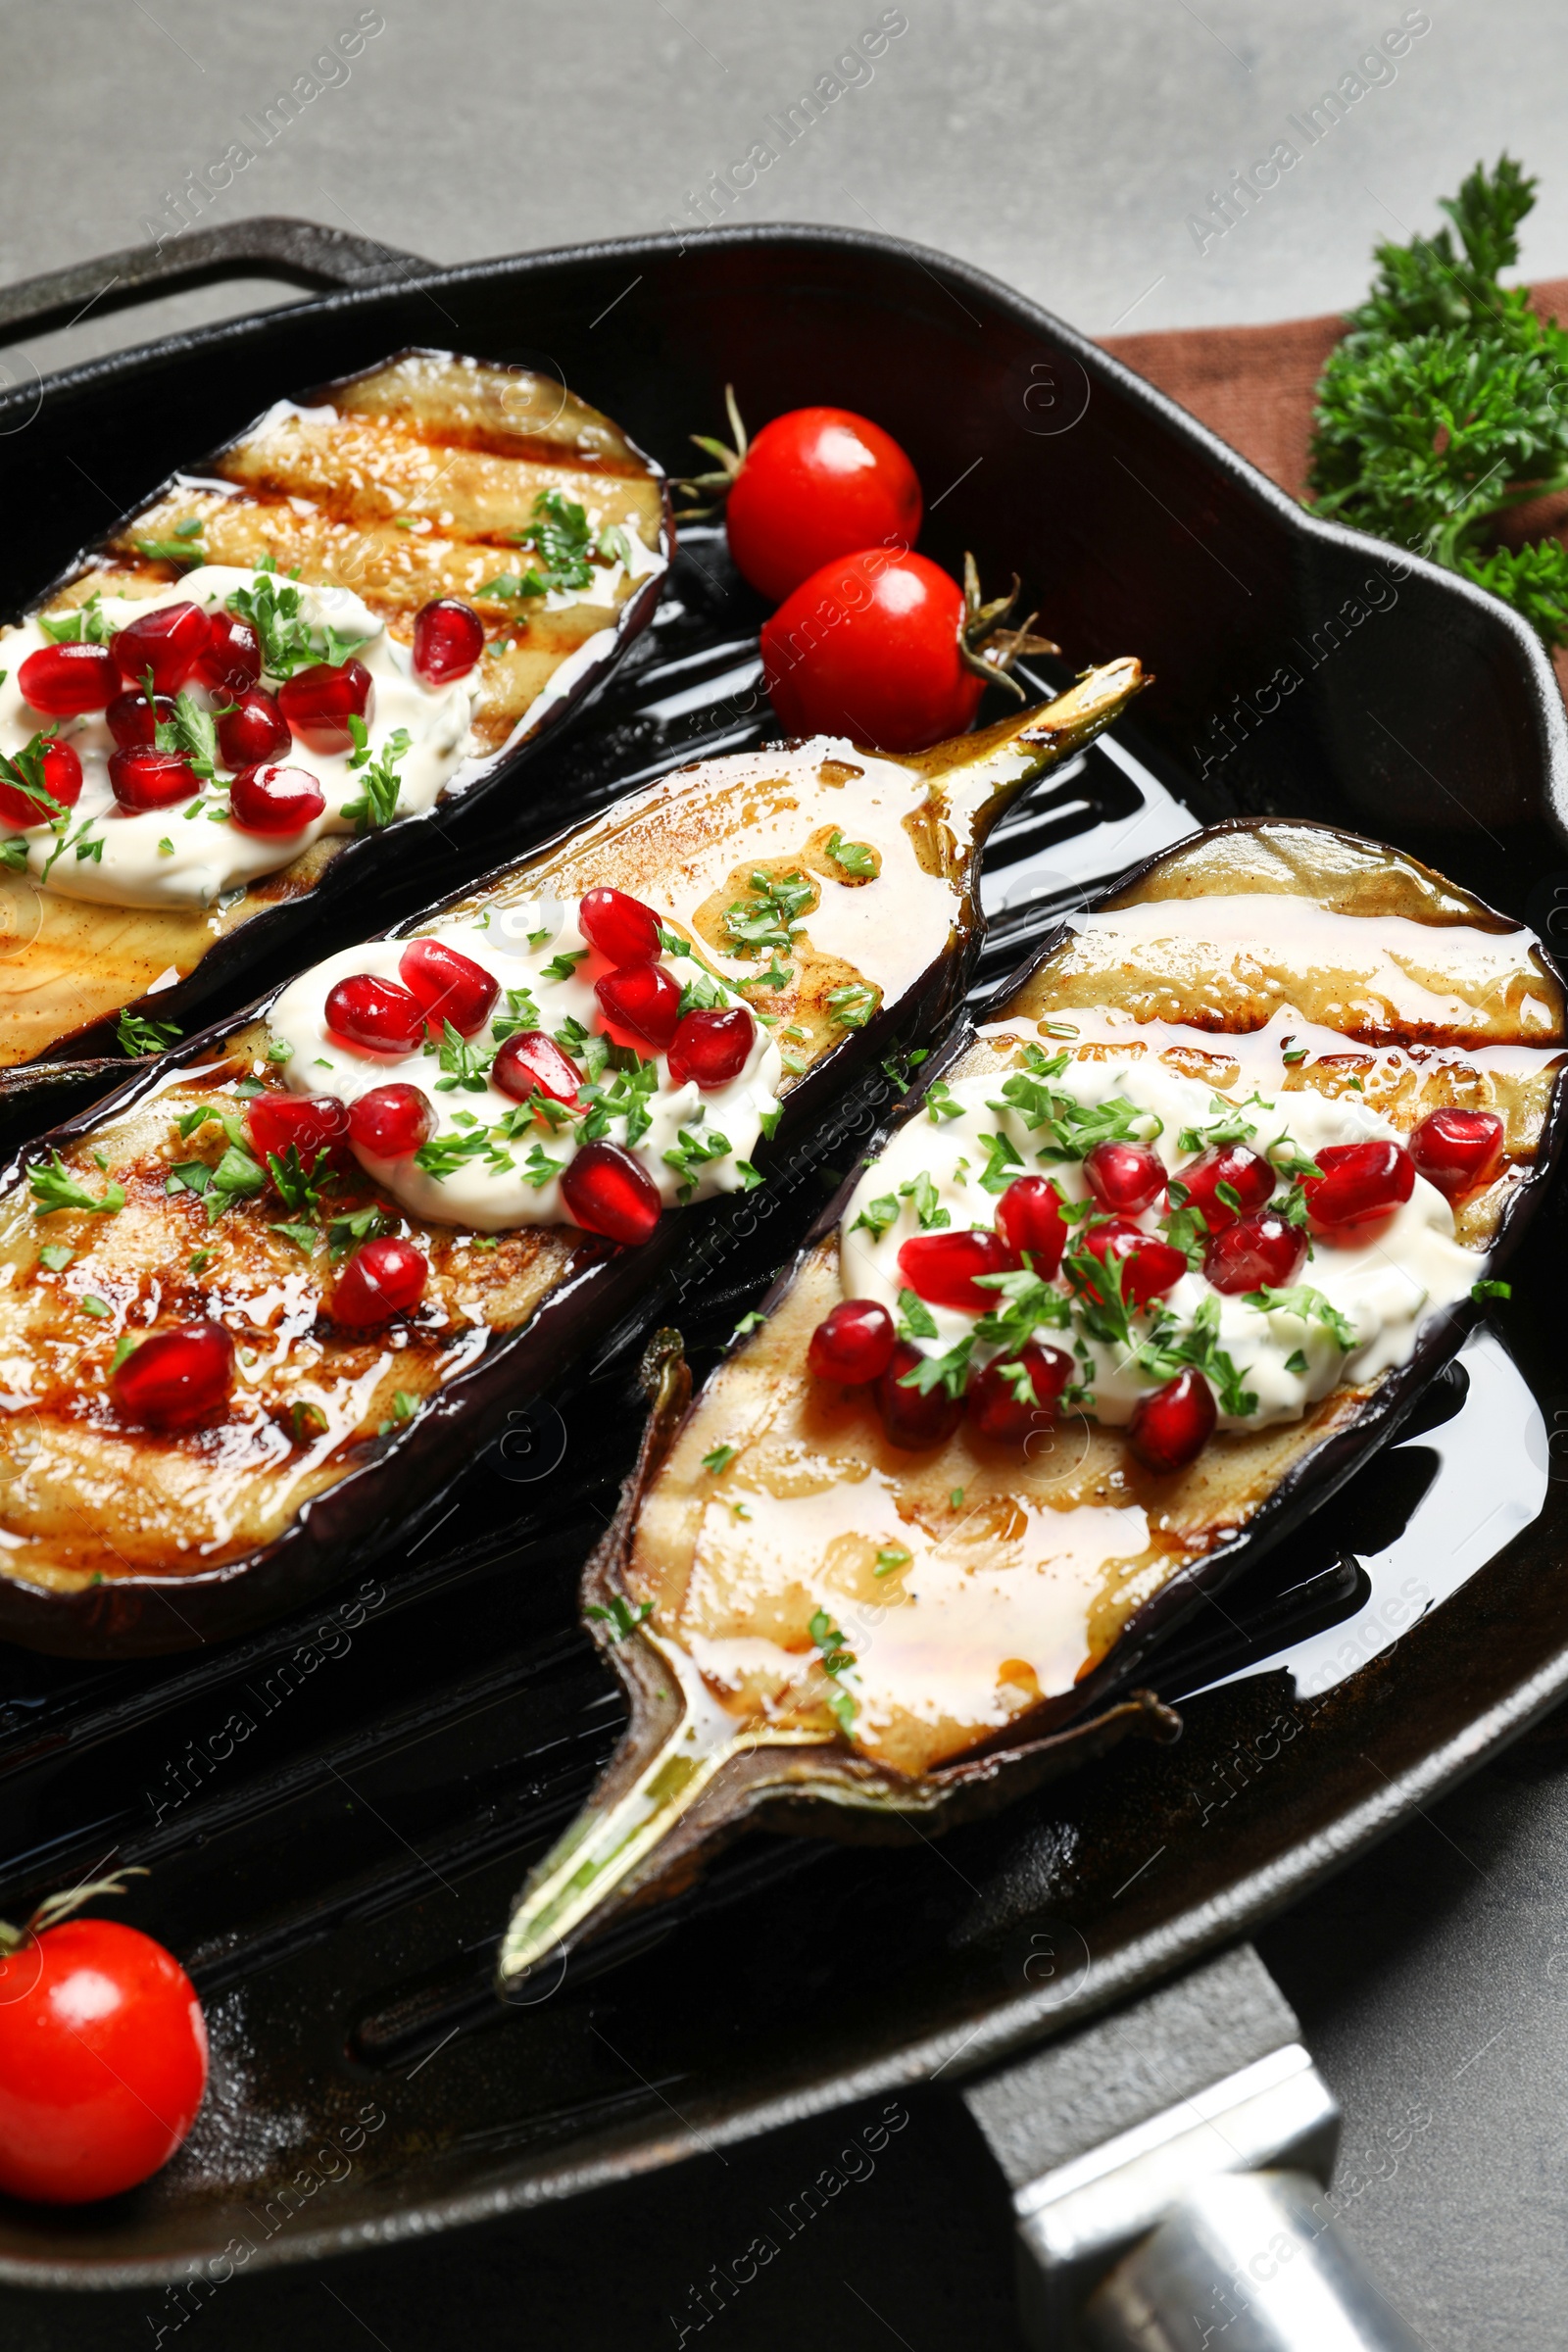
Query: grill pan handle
pixel 269 245
pixel 1169 2166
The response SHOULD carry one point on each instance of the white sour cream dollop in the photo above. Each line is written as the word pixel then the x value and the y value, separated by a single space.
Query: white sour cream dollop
pixel 515 1180
pixel 192 853
pixel 1384 1279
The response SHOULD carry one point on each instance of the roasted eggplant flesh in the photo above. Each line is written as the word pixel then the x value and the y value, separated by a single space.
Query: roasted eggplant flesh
pixel 904 1610
pixel 421 480
pixel 165 1211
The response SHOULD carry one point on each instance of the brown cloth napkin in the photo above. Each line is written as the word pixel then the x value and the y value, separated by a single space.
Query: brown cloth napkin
pixel 1254 386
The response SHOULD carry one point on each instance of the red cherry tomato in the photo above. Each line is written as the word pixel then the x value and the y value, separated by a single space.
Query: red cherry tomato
pixel 61 772
pixel 868 648
pixel 815 484
pixel 103 2061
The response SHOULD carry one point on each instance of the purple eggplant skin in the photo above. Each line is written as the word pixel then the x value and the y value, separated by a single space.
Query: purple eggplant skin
pixel 395 1475
pixel 784 1786
pixel 289 904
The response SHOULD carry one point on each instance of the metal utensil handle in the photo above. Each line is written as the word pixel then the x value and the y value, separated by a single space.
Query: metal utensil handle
pixel 1251 2260
pixel 269 244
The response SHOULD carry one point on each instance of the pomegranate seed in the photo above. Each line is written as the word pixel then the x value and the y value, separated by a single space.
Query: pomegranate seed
pixel 996 1409
pixel 381 1279
pixel 1029 1220
pixel 232 655
pixel 909 1419
pixel 275 800
pixel 448 640
pixel 712 1047
pixel 1124 1177
pixel 450 985
pixel 319 703
pixel 852 1342
pixel 149 779
pixel 620 927
pixel 133 719
pixel 176 1378
pixel 643 997
pixel 1457 1150
pixel 1359 1181
pixel 312 1123
pixel 254 731
pixel 61 770
pixel 1148 1267
pixel 391 1121
pixel 1254 1251
pixel 1249 1176
pixel 1170 1429
pixel 530 1061
pixel 375 1016
pixel 941 1267
pixel 63 681
pixel 609 1192
pixel 169 642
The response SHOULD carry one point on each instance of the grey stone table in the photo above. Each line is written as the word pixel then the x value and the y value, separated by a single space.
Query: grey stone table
pixel 1074 148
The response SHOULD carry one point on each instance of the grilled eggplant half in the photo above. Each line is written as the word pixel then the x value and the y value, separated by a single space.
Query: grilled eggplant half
pixel 1155 1256
pixel 324 531
pixel 387 1299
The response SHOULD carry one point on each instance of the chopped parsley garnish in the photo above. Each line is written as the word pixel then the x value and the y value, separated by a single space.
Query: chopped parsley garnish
pixel 1071 1128
pixel 941 1104
pixel 622 1620
pixel 878 1215
pixel 851 1004
pixel 54 1187
pixel 915 1319
pixel 538 1168
pixel 97 1307
pixel 287 644
pixel 950 1371
pixel 464 1064
pixel 23 772
pixel 521 1013
pixel 765 925
pixel 444 1155
pixel 857 858
pixel 1023 1303
pixel 1481 1292
pixel 837 1659
pixel 1003 1162
pixel 561 966
pixel 692 1149
pixel 377 803
pixel 56 1256
pixel 1169 1350
pixel 351 1226
pixel 922 1193
pixel 893 1556
pixel 192 732
pixel 749 1323
pixel 141 1037
pixel 702 993
pixel 87 625
pixel 720 1458
pixel 1313 1307
pixel 180 547
pixel 561 536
